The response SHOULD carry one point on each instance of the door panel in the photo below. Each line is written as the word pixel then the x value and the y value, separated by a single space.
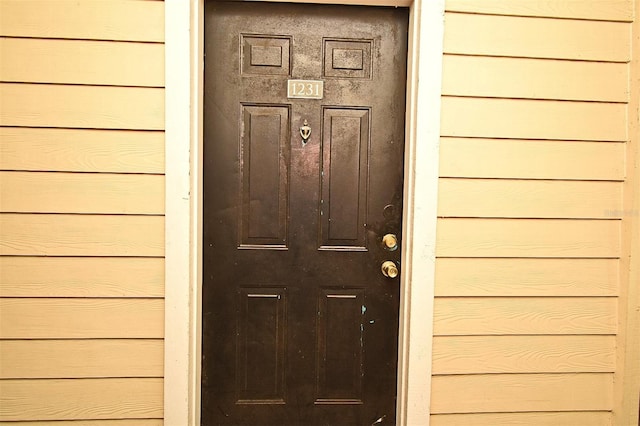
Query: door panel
pixel 344 177
pixel 264 163
pixel 340 346
pixel 261 327
pixel 300 327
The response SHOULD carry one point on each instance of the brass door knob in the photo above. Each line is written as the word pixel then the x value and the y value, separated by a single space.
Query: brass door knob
pixel 390 242
pixel 389 269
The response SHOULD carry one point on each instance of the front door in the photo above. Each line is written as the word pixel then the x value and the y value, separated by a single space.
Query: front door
pixel 303 170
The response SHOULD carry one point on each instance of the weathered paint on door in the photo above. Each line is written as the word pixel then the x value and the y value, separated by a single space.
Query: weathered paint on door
pixel 299 323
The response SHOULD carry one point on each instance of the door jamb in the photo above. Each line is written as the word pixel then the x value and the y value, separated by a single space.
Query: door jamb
pixel 183 205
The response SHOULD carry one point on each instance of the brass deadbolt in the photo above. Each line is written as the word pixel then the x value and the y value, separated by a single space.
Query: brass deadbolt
pixel 390 242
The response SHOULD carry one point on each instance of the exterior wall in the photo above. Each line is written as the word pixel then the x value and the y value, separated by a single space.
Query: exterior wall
pixel 536 310
pixel 627 376
pixel 532 176
pixel 82 211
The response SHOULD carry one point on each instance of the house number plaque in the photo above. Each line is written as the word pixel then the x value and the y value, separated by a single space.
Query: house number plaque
pixel 305 89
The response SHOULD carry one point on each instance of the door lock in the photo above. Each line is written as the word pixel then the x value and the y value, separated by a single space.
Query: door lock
pixel 389 269
pixel 390 242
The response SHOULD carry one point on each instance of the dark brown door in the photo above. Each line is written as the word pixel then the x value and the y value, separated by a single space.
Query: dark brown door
pixel 300 325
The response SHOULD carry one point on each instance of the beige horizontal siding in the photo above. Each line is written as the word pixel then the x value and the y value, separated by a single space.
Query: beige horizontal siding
pixel 82 62
pixel 526 277
pixel 529 198
pixel 38 359
pixel 524 315
pixel 81 150
pixel 125 422
pixel 94 107
pixel 527 238
pixel 533 119
pixel 606 10
pixel 523 354
pixel 81 212
pixel 26 276
pixel 61 318
pixel 520 78
pixel 81 235
pixel 627 378
pixel 531 159
pixel 93 20
pixel 490 35
pixel 532 165
pixel 584 418
pixel 515 392
pixel 33 192
pixel 35 399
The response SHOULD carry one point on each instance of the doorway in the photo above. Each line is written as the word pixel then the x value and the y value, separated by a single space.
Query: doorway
pixel 302 211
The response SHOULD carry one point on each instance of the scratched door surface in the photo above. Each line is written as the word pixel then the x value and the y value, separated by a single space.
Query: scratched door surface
pixel 300 325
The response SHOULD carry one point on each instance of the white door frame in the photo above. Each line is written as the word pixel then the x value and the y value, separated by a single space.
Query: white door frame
pixel 183 198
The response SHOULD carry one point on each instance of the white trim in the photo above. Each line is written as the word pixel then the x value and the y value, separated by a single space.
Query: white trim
pixel 178 211
pixel 197 61
pixel 420 215
pixel 183 148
